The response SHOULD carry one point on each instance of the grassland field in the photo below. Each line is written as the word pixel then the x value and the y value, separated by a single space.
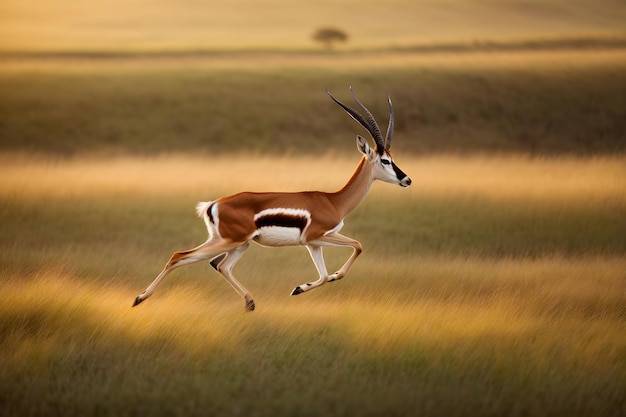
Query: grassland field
pixel 557 102
pixel 494 285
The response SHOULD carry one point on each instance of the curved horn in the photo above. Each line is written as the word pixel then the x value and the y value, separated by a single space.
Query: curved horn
pixel 374 129
pixel 391 125
pixel 369 124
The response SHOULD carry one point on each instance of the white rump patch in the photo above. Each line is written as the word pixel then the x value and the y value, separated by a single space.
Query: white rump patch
pixel 211 219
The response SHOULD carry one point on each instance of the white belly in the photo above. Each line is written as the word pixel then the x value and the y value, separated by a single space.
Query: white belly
pixel 278 236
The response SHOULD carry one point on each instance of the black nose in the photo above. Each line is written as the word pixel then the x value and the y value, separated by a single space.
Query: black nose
pixel 407 181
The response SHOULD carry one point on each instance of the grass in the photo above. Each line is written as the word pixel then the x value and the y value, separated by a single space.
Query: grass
pixel 473 103
pixel 504 295
pixel 514 345
pixel 494 285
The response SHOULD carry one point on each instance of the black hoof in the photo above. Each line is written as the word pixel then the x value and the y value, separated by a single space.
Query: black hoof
pixel 137 301
pixel 297 291
pixel 250 305
pixel 216 261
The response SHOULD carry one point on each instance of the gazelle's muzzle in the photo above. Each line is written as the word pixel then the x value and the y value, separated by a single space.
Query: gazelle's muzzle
pixel 403 179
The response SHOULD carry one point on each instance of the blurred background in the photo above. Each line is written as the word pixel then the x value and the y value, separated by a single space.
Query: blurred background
pixel 494 285
pixel 480 76
pixel 274 24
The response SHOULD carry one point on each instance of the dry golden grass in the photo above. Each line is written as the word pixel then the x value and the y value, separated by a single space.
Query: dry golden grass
pixel 523 326
pixel 498 178
pixel 433 319
pixel 544 62
pixel 480 298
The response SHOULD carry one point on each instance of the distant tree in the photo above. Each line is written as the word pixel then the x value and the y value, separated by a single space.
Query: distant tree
pixel 328 36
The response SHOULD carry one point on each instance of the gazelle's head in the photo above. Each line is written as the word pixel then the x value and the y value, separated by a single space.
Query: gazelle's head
pixel 383 166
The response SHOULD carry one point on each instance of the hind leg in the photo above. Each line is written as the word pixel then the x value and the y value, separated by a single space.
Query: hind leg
pixel 207 250
pixel 224 265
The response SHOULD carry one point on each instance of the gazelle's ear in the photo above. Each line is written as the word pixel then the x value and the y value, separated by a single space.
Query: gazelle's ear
pixel 364 147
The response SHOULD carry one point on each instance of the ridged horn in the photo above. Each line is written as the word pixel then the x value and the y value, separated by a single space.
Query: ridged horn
pixel 369 123
pixel 391 125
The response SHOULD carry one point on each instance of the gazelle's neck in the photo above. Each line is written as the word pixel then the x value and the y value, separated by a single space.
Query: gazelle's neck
pixel 355 190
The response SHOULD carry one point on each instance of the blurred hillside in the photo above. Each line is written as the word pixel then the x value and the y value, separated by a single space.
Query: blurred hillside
pixel 530 102
pixel 278 24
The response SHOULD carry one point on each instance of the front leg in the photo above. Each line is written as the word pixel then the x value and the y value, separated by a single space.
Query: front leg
pixel 336 239
pixel 318 260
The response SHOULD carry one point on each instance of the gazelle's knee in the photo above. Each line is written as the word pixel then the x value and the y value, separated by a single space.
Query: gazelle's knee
pixel 176 258
pixel 187 257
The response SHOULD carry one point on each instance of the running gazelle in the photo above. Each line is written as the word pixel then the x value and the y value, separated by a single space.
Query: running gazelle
pixel 312 219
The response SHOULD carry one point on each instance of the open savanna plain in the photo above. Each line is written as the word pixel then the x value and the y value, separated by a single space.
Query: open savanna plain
pixel 494 285
pixel 159 25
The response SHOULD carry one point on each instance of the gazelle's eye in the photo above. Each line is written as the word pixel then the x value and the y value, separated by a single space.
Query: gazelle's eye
pixel 385 162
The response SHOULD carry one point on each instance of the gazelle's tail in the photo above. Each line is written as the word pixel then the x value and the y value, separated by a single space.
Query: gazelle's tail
pixel 202 207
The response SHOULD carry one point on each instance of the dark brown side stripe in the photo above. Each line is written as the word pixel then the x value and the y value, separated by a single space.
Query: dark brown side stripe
pixel 281 220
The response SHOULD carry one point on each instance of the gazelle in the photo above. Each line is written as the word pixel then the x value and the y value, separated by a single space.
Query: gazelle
pixel 312 219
